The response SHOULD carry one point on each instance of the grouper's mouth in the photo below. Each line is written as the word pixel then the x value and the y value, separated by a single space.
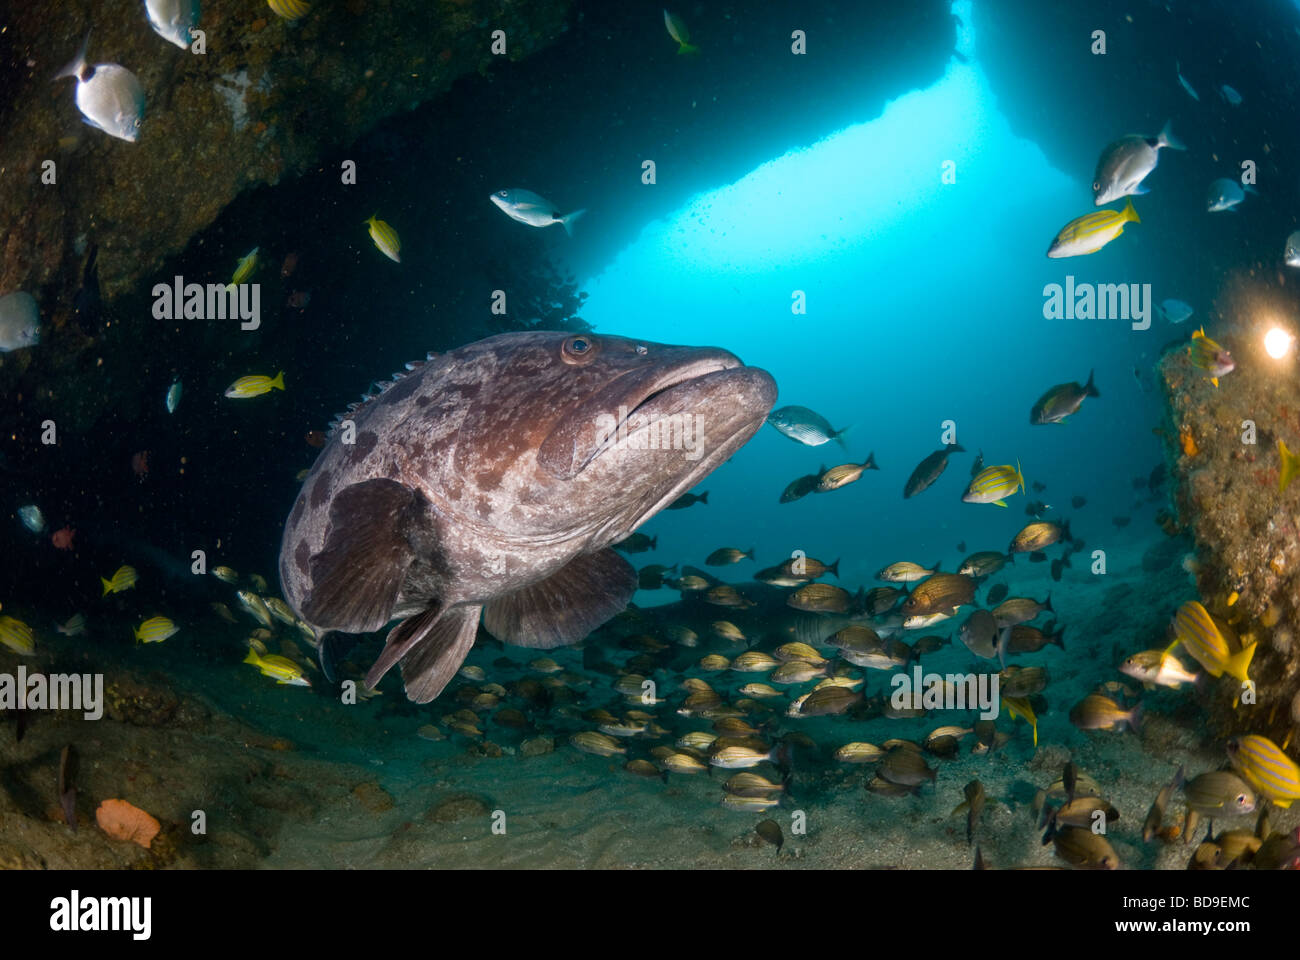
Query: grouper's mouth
pixel 678 392
pixel 727 406
pixel 704 386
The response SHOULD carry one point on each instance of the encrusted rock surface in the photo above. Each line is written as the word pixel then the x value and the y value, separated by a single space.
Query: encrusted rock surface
pixel 1247 532
pixel 265 100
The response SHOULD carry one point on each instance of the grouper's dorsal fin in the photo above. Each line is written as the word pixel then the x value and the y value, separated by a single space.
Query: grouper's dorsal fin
pixel 358 573
pixel 377 389
pixel 567 605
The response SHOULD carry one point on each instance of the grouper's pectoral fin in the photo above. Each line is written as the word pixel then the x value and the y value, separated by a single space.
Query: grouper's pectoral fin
pixel 567 605
pixel 358 574
pixel 432 645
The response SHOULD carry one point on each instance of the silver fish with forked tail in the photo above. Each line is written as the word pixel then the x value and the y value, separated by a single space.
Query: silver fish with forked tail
pixel 492 480
pixel 109 96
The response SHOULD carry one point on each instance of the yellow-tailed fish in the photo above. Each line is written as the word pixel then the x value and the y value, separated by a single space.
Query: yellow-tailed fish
pixel 1267 769
pixel 1019 707
pixel 1091 232
pixel 289 9
pixel 1290 467
pixel 677 30
pixel 385 238
pixel 254 386
pixel 1210 357
pixel 155 630
pixel 1200 636
pixel 123 579
pixel 244 269
pixel 1158 668
pixel 282 669
pixel 993 484
pixel 16 635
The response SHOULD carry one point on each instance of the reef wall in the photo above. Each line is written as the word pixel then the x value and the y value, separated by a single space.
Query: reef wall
pixel 264 100
pixel 1223 444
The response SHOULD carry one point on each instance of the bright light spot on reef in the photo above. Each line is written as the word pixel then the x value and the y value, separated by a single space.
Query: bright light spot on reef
pixel 1277 343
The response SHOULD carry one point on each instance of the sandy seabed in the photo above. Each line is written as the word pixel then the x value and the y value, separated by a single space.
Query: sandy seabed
pixel 290 778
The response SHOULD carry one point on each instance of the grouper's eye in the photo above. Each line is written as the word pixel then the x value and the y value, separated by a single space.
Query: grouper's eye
pixel 578 349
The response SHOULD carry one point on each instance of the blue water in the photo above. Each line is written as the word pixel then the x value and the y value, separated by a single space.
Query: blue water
pixel 924 303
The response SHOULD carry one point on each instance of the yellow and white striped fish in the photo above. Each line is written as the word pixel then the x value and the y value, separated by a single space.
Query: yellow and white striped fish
pixel 155 630
pixel 123 579
pixel 992 484
pixel 289 9
pixel 16 635
pixel 282 669
pixel 1270 771
pixel 246 388
pixel 1091 232
pixel 1200 636
pixel 385 238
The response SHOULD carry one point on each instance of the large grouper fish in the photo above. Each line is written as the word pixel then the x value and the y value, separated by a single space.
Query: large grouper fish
pixel 491 480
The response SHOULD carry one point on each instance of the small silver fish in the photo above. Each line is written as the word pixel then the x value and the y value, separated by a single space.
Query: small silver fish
pixel 1224 194
pixel 75 626
pixel 172 19
pixel 1231 95
pixel 804 426
pixel 174 397
pixel 32 518
pixel 109 96
pixel 1124 164
pixel 19 322
pixel 1175 311
pixel 1291 251
pixel 527 207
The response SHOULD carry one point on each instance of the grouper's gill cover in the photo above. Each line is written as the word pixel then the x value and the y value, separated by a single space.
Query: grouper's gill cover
pixel 492 480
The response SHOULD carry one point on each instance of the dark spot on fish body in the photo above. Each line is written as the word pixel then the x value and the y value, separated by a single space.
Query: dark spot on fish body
pixel 299 506
pixel 366 441
pixel 460 394
pixel 302 557
pixel 483 507
pixel 423 400
pixel 320 490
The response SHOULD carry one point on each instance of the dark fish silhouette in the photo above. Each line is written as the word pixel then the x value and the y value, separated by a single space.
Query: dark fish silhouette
pixel 800 488
pixel 689 500
pixel 1061 401
pixel 492 480
pixel 929 470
